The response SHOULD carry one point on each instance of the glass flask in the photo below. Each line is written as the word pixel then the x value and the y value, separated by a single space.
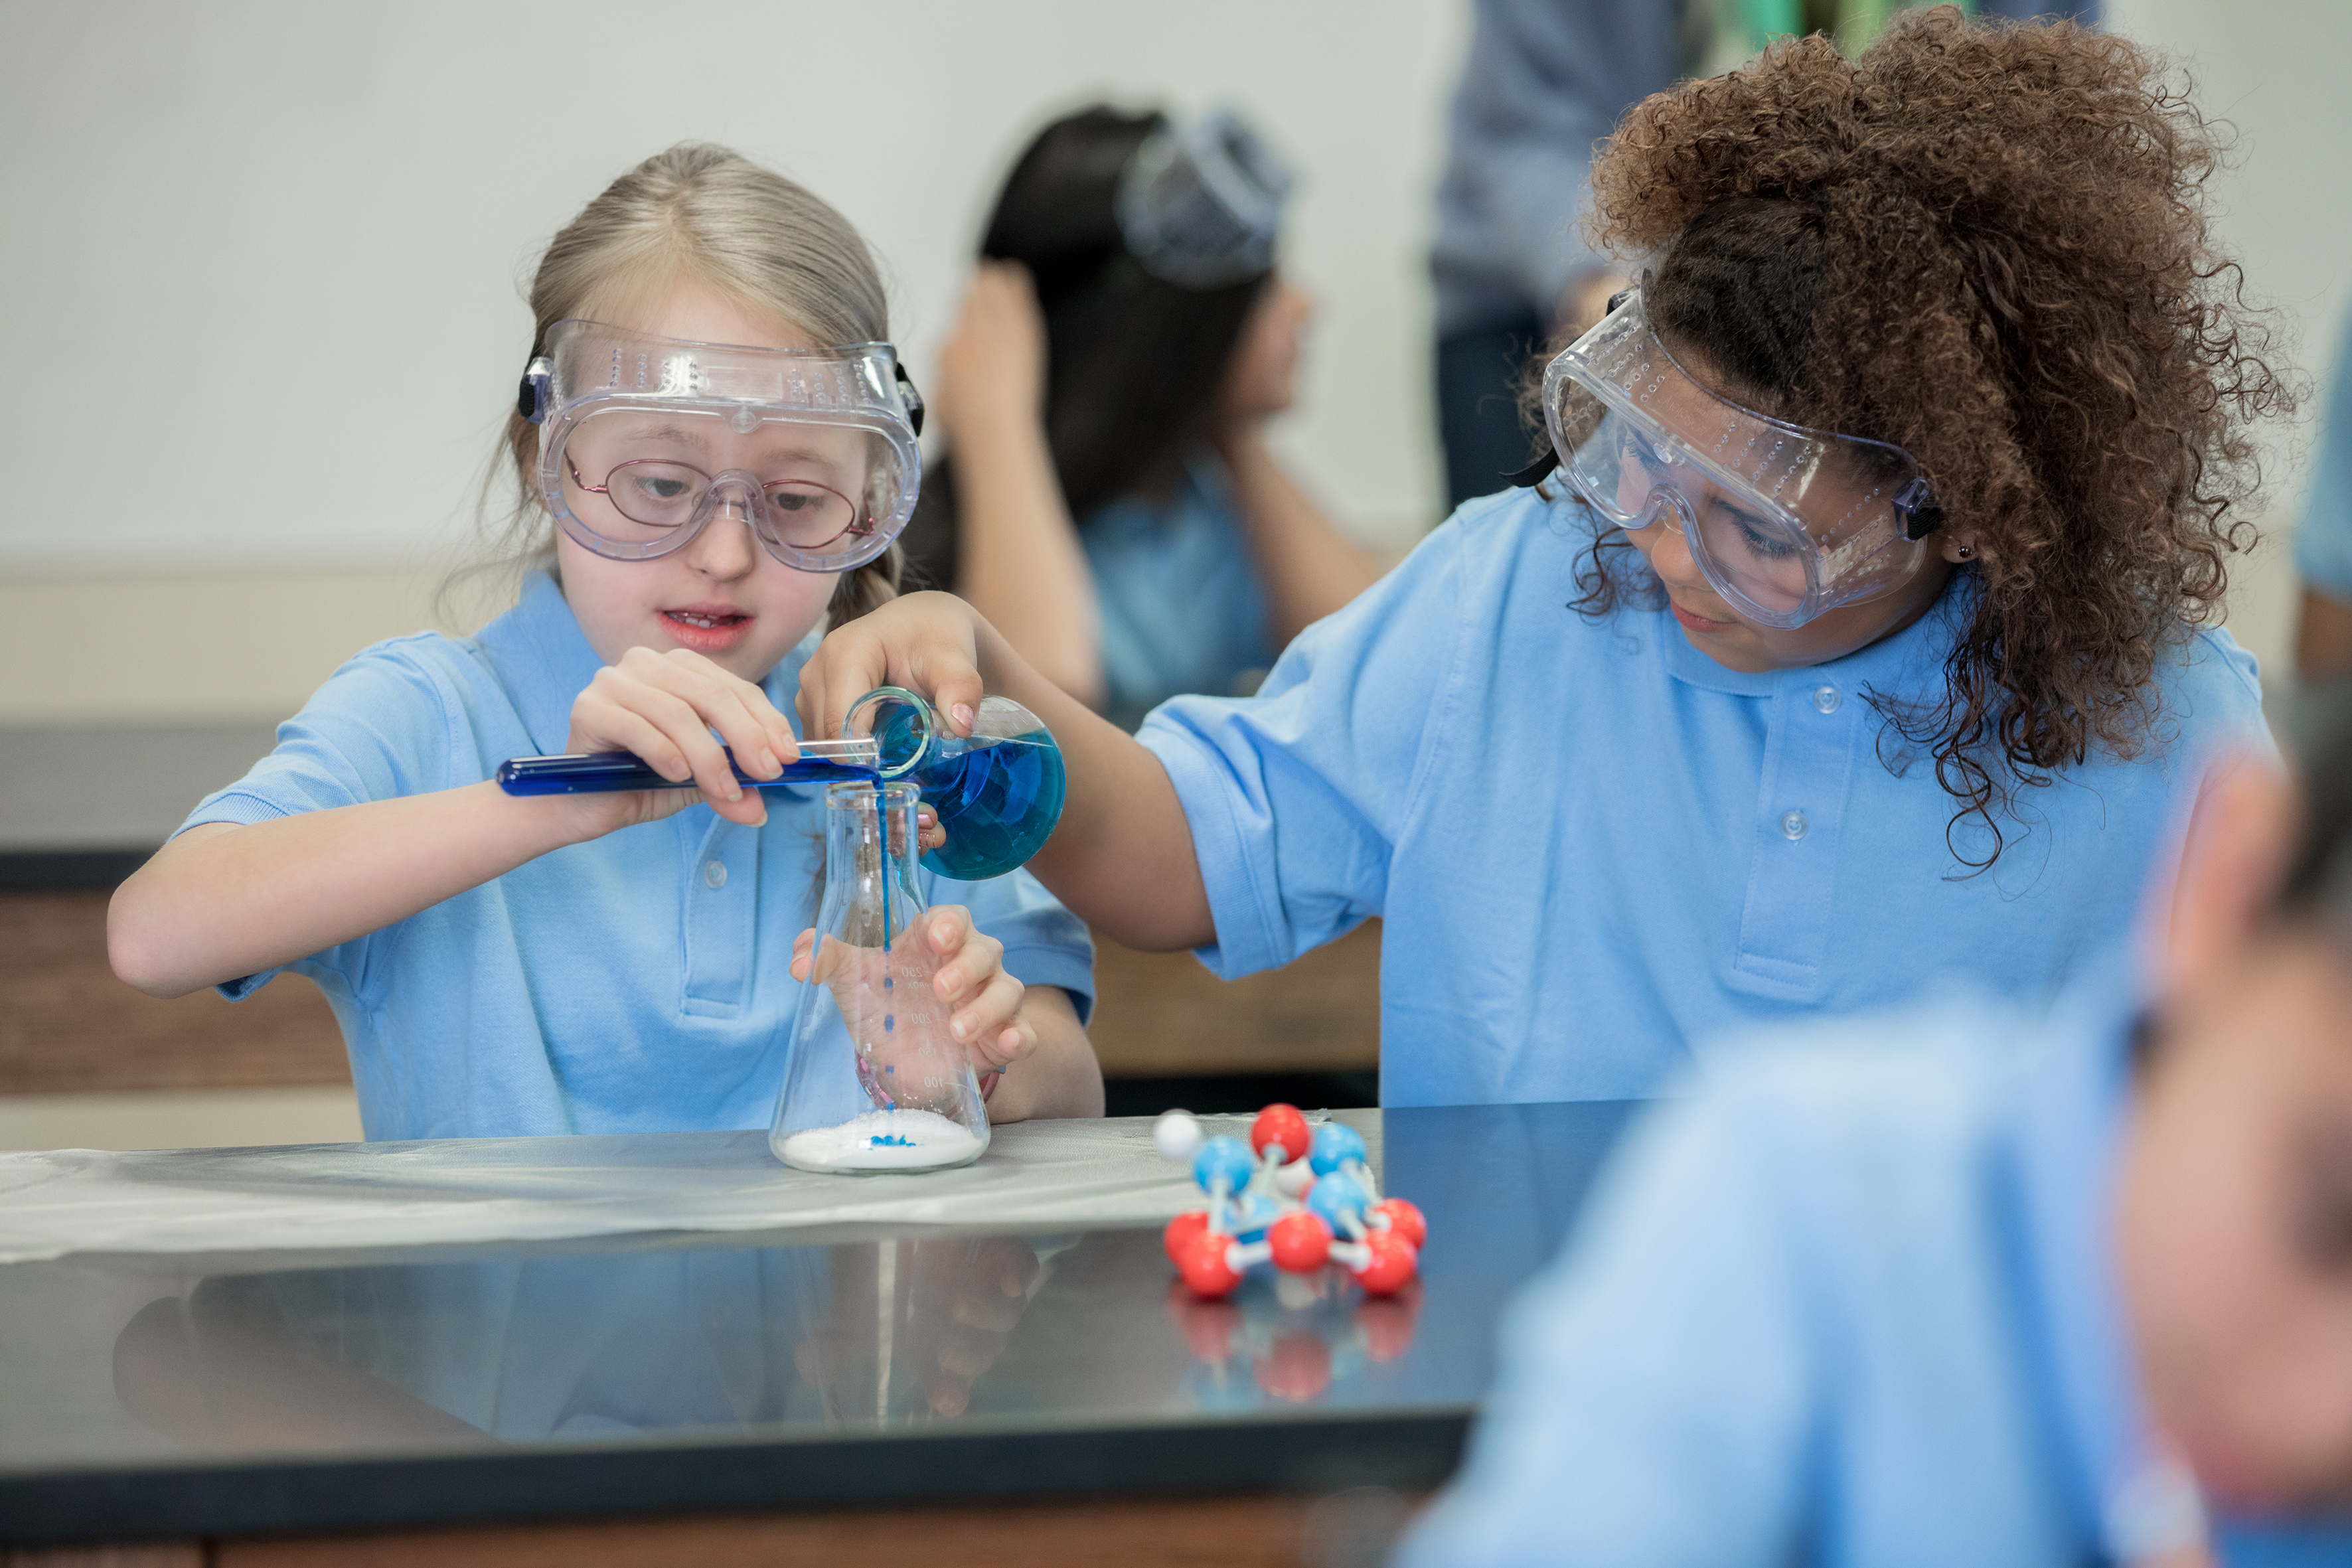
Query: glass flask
pixel 998 792
pixel 874 1082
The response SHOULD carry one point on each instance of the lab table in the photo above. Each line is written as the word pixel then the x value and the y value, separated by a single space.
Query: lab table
pixel 155 1394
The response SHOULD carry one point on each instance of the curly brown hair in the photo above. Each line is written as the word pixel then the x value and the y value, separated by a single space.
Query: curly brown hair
pixel 2009 222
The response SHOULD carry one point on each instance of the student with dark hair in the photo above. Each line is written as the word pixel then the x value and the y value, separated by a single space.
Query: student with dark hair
pixel 1854 643
pixel 1107 498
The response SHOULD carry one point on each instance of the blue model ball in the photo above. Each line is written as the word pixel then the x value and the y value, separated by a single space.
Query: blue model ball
pixel 1335 1145
pixel 1226 1156
pixel 1338 1200
pixel 1249 1217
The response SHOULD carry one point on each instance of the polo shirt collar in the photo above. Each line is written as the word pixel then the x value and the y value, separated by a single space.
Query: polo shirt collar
pixel 544 661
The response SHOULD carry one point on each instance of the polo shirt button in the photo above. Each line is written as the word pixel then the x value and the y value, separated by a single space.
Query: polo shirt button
pixel 1794 825
pixel 1827 697
pixel 714 873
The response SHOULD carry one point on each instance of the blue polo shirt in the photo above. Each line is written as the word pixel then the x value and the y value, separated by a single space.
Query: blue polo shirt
pixel 1591 845
pixel 2323 541
pixel 1177 592
pixel 1853 1303
pixel 636 983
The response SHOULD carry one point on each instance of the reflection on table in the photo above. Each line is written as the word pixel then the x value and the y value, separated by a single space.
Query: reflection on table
pixel 868 1337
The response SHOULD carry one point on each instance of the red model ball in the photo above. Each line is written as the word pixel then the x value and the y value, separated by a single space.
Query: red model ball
pixel 1386 1322
pixel 1205 1266
pixel 1404 1220
pixel 1392 1262
pixel 1180 1233
pixel 1301 1242
pixel 1283 1124
pixel 1208 1327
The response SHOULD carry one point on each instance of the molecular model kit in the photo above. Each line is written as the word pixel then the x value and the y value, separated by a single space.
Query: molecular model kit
pixel 1296 1199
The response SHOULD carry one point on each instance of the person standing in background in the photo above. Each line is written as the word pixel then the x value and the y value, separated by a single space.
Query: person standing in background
pixel 1545 80
pixel 2323 543
pixel 1108 497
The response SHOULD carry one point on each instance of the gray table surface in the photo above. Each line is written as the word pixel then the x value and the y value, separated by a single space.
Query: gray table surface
pixel 191 1394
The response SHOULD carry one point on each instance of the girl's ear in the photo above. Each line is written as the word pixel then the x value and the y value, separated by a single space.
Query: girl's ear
pixel 1958 548
pixel 2241 834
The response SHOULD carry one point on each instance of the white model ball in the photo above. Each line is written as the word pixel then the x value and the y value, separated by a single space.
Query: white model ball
pixel 1293 1179
pixel 1178 1135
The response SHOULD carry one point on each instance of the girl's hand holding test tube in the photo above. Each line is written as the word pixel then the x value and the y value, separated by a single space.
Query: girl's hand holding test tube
pixel 664 707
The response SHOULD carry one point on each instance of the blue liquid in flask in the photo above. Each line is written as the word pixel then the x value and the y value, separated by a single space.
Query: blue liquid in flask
pixel 998 798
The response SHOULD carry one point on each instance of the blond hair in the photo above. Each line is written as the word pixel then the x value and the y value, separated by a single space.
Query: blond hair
pixel 707 214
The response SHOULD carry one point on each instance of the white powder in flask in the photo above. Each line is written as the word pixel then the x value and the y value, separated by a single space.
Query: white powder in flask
pixel 884 1140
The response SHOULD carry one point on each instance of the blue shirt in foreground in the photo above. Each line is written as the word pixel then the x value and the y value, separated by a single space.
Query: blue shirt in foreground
pixel 1851 1304
pixel 639 982
pixel 1181 608
pixel 2323 541
pixel 1594 844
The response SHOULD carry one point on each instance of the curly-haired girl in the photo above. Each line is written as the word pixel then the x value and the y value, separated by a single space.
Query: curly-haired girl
pixel 1857 642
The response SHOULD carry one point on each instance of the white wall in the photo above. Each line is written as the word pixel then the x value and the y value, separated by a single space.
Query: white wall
pixel 261 314
pixel 2274 69
pixel 262 258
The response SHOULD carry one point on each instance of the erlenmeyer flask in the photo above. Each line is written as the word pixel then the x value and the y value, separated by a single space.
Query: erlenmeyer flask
pixel 874 1080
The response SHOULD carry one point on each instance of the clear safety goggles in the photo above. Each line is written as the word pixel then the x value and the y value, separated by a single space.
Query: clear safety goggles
pixel 1785 522
pixel 1199 203
pixel 643 440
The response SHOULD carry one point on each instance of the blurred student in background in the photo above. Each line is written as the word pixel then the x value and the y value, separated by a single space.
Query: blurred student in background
pixel 1107 498
pixel 1969 1285
pixel 1544 82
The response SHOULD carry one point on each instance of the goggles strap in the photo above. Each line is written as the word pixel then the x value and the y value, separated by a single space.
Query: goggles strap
pixel 1916 511
pixel 914 398
pixel 530 400
pixel 1535 473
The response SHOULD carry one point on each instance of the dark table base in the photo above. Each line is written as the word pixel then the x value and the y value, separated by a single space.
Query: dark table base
pixel 1336 1531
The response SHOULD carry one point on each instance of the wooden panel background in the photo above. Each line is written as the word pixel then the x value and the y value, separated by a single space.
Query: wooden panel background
pixel 67 1025
pixel 1163 1012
